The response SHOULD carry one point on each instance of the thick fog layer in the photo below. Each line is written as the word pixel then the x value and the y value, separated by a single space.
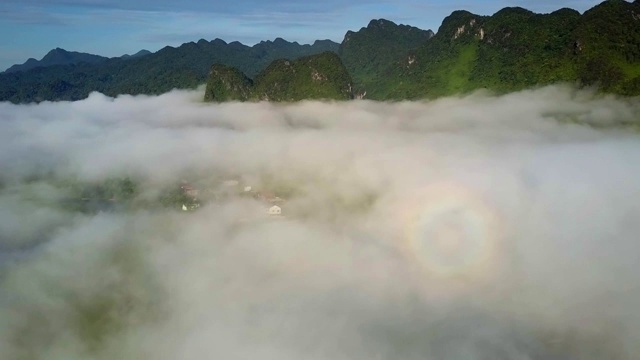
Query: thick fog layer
pixel 482 227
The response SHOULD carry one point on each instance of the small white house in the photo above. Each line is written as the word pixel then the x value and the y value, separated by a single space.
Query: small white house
pixel 247 188
pixel 274 210
pixel 190 207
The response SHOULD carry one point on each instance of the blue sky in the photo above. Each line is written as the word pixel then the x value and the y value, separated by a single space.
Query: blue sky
pixel 30 28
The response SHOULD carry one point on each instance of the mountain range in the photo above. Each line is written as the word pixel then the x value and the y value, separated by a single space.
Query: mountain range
pixel 186 66
pixel 510 50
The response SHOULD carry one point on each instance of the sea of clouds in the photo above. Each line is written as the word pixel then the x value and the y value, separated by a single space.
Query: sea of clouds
pixel 476 227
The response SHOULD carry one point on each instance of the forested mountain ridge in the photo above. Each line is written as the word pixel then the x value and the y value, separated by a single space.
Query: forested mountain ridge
pixel 186 66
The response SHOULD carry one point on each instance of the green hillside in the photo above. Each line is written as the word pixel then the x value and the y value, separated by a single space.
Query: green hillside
pixel 516 49
pixel 320 77
pixel 227 83
pixel 608 45
pixel 370 52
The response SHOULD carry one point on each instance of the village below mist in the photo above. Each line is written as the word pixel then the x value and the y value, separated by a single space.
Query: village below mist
pixel 125 194
pixel 472 227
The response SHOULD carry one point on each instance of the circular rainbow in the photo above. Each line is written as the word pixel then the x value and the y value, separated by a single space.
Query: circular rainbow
pixel 452 233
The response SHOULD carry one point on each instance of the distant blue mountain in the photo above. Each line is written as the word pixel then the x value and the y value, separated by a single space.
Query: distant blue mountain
pixel 140 53
pixel 60 56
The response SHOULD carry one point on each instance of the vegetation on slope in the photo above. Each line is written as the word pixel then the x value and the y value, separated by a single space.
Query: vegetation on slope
pixel 608 40
pixel 227 83
pixel 369 52
pixel 516 49
pixel 321 76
